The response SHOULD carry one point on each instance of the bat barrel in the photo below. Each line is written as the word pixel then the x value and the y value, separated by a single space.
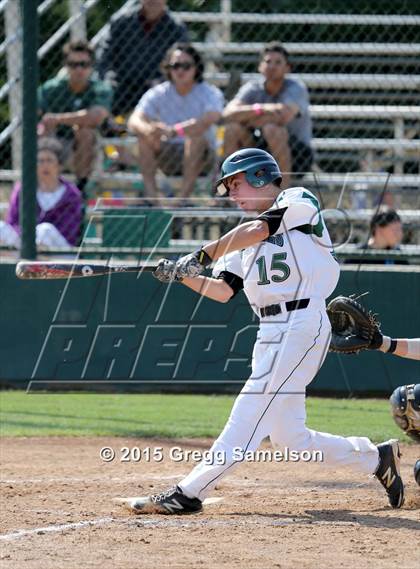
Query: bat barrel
pixel 74 269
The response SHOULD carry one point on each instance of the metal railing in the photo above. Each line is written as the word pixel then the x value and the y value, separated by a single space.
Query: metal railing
pixel 329 48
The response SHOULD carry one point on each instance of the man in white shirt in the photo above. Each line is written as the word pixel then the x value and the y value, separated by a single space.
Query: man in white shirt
pixel 174 122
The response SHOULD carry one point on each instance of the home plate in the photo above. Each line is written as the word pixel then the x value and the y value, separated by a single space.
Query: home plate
pixel 149 507
pixel 210 501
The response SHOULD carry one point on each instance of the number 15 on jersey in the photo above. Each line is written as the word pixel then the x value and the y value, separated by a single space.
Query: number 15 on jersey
pixel 281 270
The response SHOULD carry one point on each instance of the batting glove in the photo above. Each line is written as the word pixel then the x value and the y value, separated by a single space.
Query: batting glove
pixel 165 271
pixel 193 264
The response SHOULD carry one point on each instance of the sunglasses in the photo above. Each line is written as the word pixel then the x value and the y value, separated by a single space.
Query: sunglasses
pixel 82 64
pixel 181 65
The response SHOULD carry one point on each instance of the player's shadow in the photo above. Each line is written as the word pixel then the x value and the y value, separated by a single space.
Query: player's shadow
pixel 333 516
pixel 367 520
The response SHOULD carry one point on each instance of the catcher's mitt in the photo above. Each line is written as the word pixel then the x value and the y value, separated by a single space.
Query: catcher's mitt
pixel 353 327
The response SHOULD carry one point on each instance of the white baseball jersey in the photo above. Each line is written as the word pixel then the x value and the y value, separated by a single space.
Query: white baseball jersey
pixel 296 261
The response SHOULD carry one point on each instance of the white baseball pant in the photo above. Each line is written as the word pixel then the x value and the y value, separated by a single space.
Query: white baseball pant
pixel 287 355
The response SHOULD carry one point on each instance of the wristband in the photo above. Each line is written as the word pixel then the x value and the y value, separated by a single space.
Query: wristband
pixel 257 108
pixel 179 129
pixel 386 344
pixel 203 258
pixel 392 347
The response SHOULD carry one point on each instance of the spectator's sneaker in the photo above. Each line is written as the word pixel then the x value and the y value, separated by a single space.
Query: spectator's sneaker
pixel 172 501
pixel 388 472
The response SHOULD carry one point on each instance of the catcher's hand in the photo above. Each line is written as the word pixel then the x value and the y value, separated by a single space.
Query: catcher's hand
pixel 193 264
pixel 353 327
pixel 165 271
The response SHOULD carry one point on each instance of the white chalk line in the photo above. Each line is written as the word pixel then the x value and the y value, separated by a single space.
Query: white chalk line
pixel 55 528
pixel 159 522
pixel 73 480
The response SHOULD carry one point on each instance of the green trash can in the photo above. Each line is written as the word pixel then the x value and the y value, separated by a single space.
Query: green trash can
pixel 136 227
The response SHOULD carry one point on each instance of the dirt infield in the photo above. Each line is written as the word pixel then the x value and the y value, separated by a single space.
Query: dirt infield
pixel 57 512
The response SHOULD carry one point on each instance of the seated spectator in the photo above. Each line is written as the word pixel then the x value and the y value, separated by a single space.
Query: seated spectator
pixel 385 230
pixel 272 113
pixel 174 122
pixel 59 204
pixel 386 233
pixel 72 108
pixel 134 48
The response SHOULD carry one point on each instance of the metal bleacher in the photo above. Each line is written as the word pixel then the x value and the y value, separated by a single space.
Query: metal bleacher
pixel 398 144
pixel 396 122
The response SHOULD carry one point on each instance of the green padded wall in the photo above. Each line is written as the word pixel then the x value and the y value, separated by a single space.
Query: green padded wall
pixel 130 332
pixel 136 228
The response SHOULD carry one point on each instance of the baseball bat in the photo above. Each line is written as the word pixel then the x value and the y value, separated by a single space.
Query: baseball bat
pixel 73 269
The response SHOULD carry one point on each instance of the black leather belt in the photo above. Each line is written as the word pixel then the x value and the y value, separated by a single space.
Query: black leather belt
pixel 274 309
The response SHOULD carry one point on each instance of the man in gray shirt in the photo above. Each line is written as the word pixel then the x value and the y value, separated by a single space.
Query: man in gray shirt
pixel 272 113
pixel 174 122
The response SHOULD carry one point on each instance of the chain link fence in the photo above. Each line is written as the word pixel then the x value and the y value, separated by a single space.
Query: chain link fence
pixel 137 125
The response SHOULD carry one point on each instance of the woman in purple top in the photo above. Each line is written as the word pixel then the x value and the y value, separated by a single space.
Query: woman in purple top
pixel 59 204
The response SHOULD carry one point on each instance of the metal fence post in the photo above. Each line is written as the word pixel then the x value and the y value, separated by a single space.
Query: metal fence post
pixel 29 122
pixel 226 9
pixel 14 60
pixel 78 29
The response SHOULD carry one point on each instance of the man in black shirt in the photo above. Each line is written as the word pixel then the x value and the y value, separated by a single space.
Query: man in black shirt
pixel 134 49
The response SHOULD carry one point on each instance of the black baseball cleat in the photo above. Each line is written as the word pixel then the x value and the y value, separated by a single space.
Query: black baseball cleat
pixel 173 501
pixel 388 472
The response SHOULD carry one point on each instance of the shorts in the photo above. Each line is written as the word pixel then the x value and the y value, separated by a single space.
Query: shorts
pixel 68 144
pixel 171 157
pixel 302 154
pixel 68 150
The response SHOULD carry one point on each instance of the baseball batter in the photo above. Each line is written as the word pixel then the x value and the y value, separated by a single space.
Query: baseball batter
pixel 284 262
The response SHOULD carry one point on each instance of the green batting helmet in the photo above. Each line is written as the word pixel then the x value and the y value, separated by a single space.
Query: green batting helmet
pixel 259 167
